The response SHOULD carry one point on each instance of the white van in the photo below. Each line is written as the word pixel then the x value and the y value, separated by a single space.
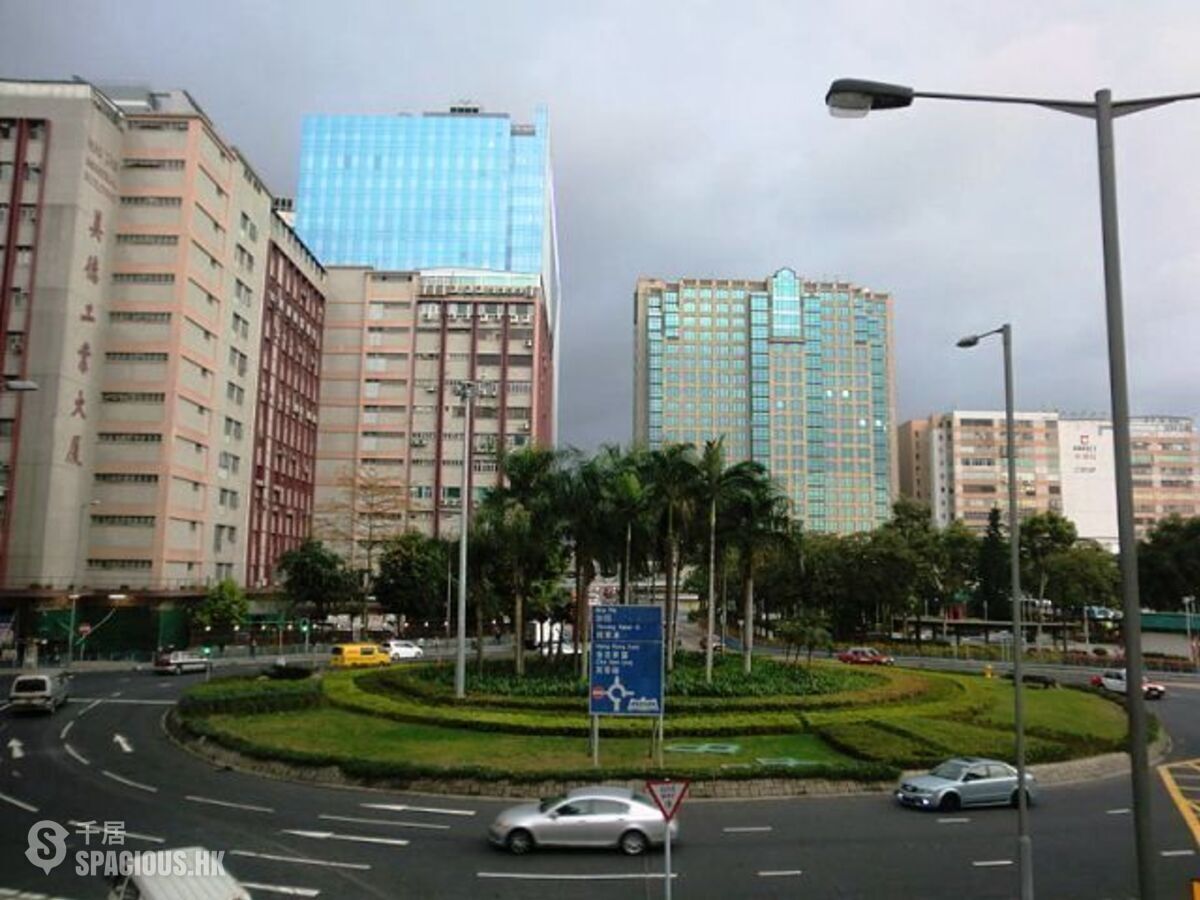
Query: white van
pixel 190 873
pixel 45 691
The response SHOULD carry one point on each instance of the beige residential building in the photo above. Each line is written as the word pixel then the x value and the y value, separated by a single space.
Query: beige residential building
pixel 397 347
pixel 956 463
pixel 1166 469
pixel 136 244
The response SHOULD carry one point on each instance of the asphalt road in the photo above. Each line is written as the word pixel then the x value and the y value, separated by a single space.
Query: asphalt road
pixel 105 758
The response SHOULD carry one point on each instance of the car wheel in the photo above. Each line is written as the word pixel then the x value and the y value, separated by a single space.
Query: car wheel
pixel 519 842
pixel 950 803
pixel 1014 800
pixel 179 670
pixel 633 843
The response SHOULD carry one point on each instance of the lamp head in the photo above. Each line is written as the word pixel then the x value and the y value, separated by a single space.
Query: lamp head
pixel 853 98
pixel 969 341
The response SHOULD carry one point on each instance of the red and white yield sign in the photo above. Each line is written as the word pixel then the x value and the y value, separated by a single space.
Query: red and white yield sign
pixel 668 795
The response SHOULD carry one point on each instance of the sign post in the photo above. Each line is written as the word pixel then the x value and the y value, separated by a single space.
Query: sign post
pixel 668 795
pixel 626 668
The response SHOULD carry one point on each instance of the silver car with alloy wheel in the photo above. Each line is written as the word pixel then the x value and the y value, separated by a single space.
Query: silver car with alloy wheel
pixel 585 817
pixel 965 781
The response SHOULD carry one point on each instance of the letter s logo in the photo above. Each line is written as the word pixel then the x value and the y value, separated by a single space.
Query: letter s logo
pixel 47 845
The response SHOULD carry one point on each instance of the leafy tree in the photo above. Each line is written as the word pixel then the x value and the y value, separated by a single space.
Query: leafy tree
pixel 959 551
pixel 412 577
pixel 760 511
pixel 1169 563
pixel 994 570
pixel 223 608
pixel 1042 536
pixel 808 631
pixel 1083 575
pixel 316 578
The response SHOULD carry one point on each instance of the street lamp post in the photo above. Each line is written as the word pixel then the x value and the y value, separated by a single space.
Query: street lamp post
pixel 855 98
pixel 1024 841
pixel 465 390
pixel 81 567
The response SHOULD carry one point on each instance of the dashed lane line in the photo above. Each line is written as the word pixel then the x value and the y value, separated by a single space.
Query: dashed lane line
pixel 747 829
pixel 352 838
pixel 149 788
pixel 301 860
pixel 87 709
pixel 430 826
pixel 248 807
pixel 953 820
pixel 780 873
pixel 991 863
pixel 1178 852
pixel 62 735
pixel 1123 811
pixel 19 804
pixel 92 828
pixel 76 755
pixel 285 889
pixel 401 807
pixel 574 876
pixel 129 701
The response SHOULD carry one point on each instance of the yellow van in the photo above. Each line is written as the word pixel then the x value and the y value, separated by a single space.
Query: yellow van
pixel 350 656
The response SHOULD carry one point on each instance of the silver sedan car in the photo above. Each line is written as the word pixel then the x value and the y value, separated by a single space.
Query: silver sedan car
pixel 965 781
pixel 585 817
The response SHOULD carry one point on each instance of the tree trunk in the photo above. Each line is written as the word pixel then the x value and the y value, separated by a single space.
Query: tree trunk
pixel 479 637
pixel 747 620
pixel 712 577
pixel 625 565
pixel 519 634
pixel 672 590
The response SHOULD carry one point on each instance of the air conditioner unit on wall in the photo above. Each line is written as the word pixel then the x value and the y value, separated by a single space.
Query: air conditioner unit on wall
pixel 529 343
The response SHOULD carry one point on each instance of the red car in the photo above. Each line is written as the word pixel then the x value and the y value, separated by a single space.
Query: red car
pixel 865 656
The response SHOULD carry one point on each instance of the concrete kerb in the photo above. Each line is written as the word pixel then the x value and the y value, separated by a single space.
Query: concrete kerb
pixel 1075 771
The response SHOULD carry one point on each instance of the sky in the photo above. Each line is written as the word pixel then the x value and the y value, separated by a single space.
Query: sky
pixel 691 139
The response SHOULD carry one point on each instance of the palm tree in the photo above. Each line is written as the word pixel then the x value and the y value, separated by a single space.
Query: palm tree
pixel 626 497
pixel 715 486
pixel 760 510
pixel 672 473
pixel 580 502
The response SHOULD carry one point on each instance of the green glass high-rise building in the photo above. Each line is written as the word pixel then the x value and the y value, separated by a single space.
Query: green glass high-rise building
pixel 794 374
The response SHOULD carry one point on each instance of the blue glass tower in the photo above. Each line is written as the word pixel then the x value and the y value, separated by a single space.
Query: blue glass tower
pixel 463 189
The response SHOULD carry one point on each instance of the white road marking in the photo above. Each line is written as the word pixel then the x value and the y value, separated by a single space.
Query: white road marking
pixel 87 709
pixel 355 838
pixel 281 889
pixel 780 873
pixel 20 804
pixel 746 829
pixel 1123 811
pixel 62 735
pixel 4 706
pixel 129 701
pixel 359 821
pixel 92 828
pixel 953 820
pixel 990 863
pixel 1179 853
pixel 16 748
pixel 246 806
pixel 300 860
pixel 123 742
pixel 545 876
pixel 75 755
pixel 134 784
pixel 400 807
pixel 115 694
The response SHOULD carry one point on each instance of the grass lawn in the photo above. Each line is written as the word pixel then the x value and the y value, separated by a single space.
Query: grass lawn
pixel 1066 712
pixel 346 734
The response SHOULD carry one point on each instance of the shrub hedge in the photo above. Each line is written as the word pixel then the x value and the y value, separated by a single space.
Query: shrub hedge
pixel 243 695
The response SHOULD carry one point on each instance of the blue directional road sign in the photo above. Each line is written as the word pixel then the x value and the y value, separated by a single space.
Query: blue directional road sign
pixel 626 667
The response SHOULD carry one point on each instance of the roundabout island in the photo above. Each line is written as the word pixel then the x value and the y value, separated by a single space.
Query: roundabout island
pixel 786 729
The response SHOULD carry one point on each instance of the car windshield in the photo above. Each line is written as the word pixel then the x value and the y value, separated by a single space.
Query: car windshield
pixel 29 685
pixel 549 803
pixel 951 771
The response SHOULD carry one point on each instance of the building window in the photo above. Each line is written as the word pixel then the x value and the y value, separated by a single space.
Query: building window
pixel 151 201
